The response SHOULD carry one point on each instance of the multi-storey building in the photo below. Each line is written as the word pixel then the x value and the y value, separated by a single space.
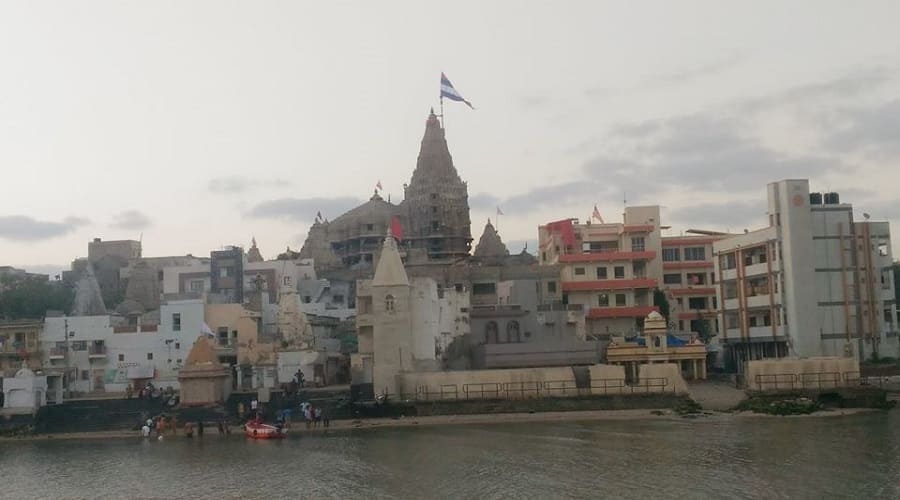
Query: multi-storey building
pixel 812 283
pixel 18 345
pixel 689 281
pixel 611 270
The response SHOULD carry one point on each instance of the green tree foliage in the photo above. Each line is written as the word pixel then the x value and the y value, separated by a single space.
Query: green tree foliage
pixel 660 301
pixel 28 298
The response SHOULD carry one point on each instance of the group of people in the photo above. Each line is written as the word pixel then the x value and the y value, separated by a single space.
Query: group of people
pixel 163 425
pixel 313 415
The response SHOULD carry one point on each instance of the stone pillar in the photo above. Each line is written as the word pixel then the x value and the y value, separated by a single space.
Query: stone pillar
pixel 696 365
pixel 703 369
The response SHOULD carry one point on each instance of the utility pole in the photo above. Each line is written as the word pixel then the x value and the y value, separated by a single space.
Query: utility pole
pixel 67 392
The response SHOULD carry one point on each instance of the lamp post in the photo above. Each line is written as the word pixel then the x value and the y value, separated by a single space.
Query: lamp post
pixel 66 391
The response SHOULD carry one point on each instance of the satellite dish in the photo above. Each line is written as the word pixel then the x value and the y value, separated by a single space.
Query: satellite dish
pixel 866 216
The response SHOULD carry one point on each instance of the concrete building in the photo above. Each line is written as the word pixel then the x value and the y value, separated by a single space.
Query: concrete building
pixel 19 342
pixel 813 283
pixel 106 353
pixel 689 282
pixel 25 392
pixel 609 270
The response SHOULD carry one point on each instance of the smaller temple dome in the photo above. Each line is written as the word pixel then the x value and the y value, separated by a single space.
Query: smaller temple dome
pixel 253 255
pixel 490 244
pixel 654 323
pixel 24 372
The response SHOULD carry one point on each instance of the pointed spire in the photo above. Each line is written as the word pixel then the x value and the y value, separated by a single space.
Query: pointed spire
pixel 490 244
pixel 434 162
pixel 390 271
pixel 253 254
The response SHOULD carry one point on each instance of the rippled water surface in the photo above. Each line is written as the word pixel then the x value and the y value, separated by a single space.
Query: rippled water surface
pixel 838 457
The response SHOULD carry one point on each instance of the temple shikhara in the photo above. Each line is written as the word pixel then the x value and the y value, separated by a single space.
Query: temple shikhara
pixel 434 216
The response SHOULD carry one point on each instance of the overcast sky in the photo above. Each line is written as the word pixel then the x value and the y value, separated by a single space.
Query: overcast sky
pixel 200 124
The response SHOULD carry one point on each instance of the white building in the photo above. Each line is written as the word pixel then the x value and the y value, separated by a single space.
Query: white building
pixel 812 283
pixel 100 355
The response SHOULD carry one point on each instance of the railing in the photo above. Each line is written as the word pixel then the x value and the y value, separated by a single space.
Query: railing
pixel 811 380
pixel 97 350
pixel 541 389
pixel 57 352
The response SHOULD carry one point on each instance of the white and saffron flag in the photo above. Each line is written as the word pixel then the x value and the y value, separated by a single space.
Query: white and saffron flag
pixel 449 92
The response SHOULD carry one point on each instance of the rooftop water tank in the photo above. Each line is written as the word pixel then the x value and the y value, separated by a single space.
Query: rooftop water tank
pixel 815 198
pixel 832 199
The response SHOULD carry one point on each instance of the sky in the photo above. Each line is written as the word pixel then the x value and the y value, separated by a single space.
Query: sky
pixel 198 124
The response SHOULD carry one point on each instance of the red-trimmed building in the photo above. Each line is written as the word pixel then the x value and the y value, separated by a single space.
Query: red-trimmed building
pixel 689 280
pixel 611 269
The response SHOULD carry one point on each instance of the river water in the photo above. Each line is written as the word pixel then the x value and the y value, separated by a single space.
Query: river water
pixel 854 456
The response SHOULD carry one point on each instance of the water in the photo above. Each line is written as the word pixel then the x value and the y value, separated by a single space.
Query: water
pixel 721 457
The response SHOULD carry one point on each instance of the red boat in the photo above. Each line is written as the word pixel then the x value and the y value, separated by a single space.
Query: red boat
pixel 259 430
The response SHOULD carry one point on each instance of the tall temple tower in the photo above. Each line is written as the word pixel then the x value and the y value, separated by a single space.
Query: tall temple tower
pixel 437 201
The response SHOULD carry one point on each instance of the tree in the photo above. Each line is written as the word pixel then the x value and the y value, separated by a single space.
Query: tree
pixel 660 301
pixel 29 298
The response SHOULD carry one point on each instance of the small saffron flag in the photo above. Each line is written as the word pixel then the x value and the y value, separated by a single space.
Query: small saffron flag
pixel 596 215
pixel 378 185
pixel 500 212
pixel 448 91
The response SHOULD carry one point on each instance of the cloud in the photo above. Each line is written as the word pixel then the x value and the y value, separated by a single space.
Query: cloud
pixel 483 201
pixel 554 195
pixel 699 71
pixel 873 129
pixel 853 84
pixel 516 246
pixel 25 228
pixel 733 214
pixel 303 209
pixel 239 184
pixel 130 220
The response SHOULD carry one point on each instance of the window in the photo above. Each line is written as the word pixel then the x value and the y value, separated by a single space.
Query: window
pixel 728 261
pixel 370 227
pixel 671 254
pixel 85 375
pixel 672 279
pixel 619 272
pixel 696 279
pixel 603 300
pixel 697 303
pixel 340 298
pixel 490 333
pixel 224 272
pixel 150 356
pixel 197 285
pixel 177 345
pixel 286 280
pixel 512 331
pixel 435 225
pixel 551 287
pixel 484 288
pixel 637 244
pixel 434 209
pixel 176 322
pixel 695 253
pixel 882 249
pixel 731 321
pixel 601 273
pixel 78 345
pixel 121 358
pixel 389 303
pixel 579 271
pixel 715 303
pixel 620 299
pixel 753 321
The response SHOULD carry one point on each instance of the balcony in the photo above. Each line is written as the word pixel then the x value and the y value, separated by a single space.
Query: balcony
pixel 607 256
pixel 620 312
pixel 97 351
pixel 57 353
pixel 693 264
pixel 583 286
pixel 693 291
pixel 14 349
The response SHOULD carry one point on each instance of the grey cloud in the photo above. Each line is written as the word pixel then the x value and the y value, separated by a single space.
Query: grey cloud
pixel 302 209
pixel 697 152
pixel 733 214
pixel 554 194
pixel 25 228
pixel 483 201
pixel 875 129
pixel 516 246
pixel 699 71
pixel 239 184
pixel 845 86
pixel 130 220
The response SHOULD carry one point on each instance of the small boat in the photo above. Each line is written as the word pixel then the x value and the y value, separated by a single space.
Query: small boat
pixel 259 430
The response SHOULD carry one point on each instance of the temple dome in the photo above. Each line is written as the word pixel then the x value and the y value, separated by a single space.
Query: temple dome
pixel 490 244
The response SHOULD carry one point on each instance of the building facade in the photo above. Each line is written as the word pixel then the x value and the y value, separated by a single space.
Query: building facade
pixel 813 283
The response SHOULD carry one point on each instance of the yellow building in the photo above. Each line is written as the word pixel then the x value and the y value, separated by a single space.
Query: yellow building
pixel 690 358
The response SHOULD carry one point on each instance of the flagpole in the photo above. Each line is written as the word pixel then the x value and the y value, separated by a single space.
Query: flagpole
pixel 443 120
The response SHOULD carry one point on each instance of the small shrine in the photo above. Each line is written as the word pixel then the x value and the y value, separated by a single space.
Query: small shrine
pixel 657 345
pixel 25 392
pixel 203 379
